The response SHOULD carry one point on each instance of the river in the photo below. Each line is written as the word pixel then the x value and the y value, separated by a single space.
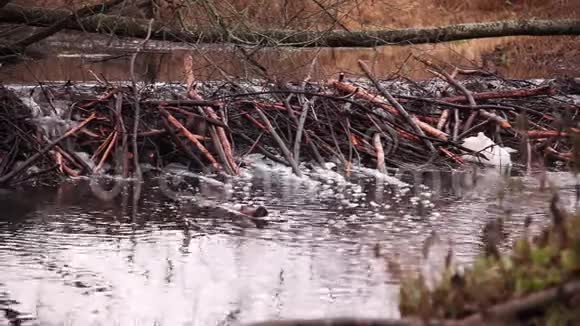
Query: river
pixel 335 246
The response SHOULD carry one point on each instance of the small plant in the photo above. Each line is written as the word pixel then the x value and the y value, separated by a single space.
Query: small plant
pixel 538 283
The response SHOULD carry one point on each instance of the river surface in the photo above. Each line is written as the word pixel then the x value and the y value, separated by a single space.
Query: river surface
pixel 68 258
pixel 78 58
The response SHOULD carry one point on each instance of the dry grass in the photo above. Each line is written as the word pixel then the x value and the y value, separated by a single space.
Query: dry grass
pixel 351 13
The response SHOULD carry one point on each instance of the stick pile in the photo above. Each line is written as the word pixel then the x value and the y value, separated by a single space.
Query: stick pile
pixel 394 123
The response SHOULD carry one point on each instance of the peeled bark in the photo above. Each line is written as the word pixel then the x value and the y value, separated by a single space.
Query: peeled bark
pixel 131 27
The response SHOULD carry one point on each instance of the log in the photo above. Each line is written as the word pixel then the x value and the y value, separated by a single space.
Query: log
pixel 511 309
pixel 131 27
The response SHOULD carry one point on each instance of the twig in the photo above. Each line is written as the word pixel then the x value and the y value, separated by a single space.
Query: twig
pixel 112 142
pixel 301 122
pixel 281 144
pixel 443 119
pixel 137 167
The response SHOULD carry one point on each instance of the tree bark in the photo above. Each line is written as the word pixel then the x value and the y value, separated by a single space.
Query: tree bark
pixel 131 27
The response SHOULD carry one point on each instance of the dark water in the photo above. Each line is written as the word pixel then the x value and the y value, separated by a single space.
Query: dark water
pixel 78 58
pixel 68 258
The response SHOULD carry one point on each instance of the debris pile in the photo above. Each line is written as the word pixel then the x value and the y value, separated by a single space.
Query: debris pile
pixel 74 130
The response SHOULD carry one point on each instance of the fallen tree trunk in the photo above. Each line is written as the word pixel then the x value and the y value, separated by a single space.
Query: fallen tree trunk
pixel 131 27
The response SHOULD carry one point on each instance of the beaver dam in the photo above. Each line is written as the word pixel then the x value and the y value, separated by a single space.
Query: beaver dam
pixel 75 130
pixel 257 200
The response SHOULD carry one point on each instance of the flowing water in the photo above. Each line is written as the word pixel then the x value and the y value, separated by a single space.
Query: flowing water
pixel 335 246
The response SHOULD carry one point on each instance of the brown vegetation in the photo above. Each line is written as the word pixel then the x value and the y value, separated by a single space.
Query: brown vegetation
pixel 354 14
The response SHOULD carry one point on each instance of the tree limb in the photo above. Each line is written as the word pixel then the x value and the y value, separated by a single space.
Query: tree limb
pixel 131 27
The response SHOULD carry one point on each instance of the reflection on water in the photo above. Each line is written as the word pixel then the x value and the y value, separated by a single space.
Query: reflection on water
pixel 77 59
pixel 68 258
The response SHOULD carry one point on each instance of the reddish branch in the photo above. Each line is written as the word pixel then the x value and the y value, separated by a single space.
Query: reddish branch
pixel 171 119
pixel 544 90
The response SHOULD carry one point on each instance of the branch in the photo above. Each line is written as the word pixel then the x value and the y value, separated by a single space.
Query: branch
pixel 131 27
pixel 137 106
pixel 515 307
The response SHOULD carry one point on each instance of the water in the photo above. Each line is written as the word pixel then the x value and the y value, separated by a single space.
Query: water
pixel 67 258
pixel 74 57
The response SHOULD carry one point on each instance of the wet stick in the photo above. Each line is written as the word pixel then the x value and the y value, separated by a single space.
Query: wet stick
pixel 112 143
pixel 137 117
pixel 443 119
pixel 516 93
pixel 301 122
pixel 380 153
